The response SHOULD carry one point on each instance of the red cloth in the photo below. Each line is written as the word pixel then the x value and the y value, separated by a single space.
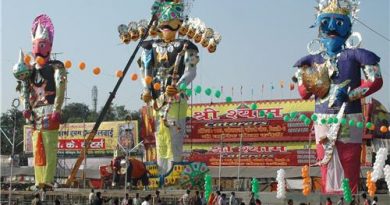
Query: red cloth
pixel 349 155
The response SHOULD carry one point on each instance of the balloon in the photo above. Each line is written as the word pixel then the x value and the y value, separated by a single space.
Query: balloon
pixel 262 113
pixel 270 115
pixel 368 125
pixel 182 86
pixel 82 65
pixel 360 125
pixel 335 120
pixel 343 121
pixel 157 86
pixel 188 92
pixel 383 129
pixel 27 59
pixel 293 115
pixel 253 106
pixel 307 121
pixel 330 120
pixel 229 99
pixel 68 64
pixel 148 80
pixel 198 89
pixel 302 117
pixel 351 123
pixel 286 118
pixel 217 94
pixel 323 121
pixel 208 91
pixel 314 117
pixel 96 71
pixel 119 74
pixel 40 60
pixel 134 76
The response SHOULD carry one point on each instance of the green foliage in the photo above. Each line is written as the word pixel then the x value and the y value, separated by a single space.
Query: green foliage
pixel 7 125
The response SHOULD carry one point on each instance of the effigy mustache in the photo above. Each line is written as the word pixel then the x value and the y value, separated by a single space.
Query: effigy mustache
pixel 168 27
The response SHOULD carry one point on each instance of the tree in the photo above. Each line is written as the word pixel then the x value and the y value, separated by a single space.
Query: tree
pixel 7 121
pixel 75 112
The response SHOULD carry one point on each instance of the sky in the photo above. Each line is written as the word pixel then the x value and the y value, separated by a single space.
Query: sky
pixel 261 40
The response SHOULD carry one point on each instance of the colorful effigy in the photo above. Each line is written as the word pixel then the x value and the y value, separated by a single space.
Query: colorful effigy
pixel 41 85
pixel 168 65
pixel 332 73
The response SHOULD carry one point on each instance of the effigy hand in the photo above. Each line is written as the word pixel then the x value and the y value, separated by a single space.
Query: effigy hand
pixel 171 90
pixel 55 117
pixel 146 96
pixel 27 114
pixel 342 95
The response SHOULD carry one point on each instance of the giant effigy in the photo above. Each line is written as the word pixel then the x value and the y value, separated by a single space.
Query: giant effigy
pixel 41 84
pixel 333 73
pixel 168 64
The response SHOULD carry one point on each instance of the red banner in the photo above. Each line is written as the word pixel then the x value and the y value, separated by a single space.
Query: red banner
pixel 211 123
pixel 78 144
pixel 254 156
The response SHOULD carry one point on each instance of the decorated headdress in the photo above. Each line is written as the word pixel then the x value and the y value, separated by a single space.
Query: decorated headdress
pixel 343 7
pixel 166 10
pixel 42 28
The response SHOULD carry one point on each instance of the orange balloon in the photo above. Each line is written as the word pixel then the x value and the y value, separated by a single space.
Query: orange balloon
pixel 157 86
pixel 384 129
pixel 96 71
pixel 40 60
pixel 148 80
pixel 306 180
pixel 134 76
pixel 68 64
pixel 119 73
pixel 27 59
pixel 82 65
pixel 372 127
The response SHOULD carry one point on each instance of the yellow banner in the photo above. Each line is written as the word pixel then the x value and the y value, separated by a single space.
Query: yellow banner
pixel 109 137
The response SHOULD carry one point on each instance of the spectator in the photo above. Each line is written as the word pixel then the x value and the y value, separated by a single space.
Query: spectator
pixel 217 197
pixel 57 202
pixel 258 202
pixel 147 200
pixel 375 200
pixel 242 203
pixel 328 201
pixel 185 199
pixel 125 201
pixel 115 201
pixel 211 199
pixel 202 198
pixel 195 199
pixel 366 201
pixel 36 200
pixel 43 194
pixel 290 202
pixel 232 199
pixel 157 198
pixel 341 201
pixel 252 200
pixel 98 200
pixel 137 200
pixel 222 199
pixel 91 196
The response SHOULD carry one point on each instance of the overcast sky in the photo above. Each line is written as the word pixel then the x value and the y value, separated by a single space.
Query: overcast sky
pixel 261 40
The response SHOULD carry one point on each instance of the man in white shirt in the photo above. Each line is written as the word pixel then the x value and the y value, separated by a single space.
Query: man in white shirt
pixel 147 200
pixel 185 199
pixel 125 201
pixel 232 199
pixel 91 196
pixel 137 200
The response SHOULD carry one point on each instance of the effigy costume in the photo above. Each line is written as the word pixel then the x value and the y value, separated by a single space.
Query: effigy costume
pixel 333 75
pixel 42 88
pixel 168 63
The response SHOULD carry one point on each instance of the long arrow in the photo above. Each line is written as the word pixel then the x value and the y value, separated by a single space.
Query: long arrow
pixel 105 108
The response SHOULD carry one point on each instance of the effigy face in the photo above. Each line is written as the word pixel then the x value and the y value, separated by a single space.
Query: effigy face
pixel 42 48
pixel 334 30
pixel 169 29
